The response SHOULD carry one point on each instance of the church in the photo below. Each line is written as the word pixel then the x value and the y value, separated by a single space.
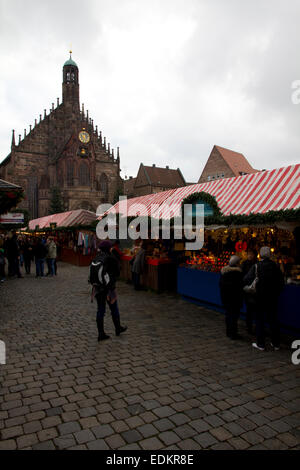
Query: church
pixel 63 150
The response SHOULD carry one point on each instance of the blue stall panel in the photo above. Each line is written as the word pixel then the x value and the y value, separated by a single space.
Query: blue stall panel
pixel 202 287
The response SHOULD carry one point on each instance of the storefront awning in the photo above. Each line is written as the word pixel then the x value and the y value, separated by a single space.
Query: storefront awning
pixel 260 192
pixel 64 219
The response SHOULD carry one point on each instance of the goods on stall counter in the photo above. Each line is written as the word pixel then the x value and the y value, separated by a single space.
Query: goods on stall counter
pixel 209 262
pixel 240 246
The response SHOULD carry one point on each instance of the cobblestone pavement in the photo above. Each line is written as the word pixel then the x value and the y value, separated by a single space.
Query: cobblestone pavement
pixel 172 381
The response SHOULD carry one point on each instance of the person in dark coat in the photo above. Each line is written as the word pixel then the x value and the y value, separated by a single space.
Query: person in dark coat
pixel 12 252
pixel 27 254
pixel 250 299
pixel 40 253
pixel 231 289
pixel 108 293
pixel 116 251
pixel 137 267
pixel 268 288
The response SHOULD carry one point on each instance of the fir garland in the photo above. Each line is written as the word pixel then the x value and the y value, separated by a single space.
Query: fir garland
pixel 10 199
pixel 204 198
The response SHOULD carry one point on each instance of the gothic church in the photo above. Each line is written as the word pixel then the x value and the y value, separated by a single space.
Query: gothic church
pixel 63 150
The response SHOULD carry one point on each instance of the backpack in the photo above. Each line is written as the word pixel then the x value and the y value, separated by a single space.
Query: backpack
pixel 98 272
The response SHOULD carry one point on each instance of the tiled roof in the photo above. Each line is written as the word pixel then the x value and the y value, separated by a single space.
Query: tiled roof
pixel 236 161
pixel 164 176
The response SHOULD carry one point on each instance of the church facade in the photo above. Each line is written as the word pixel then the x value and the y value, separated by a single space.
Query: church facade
pixel 64 150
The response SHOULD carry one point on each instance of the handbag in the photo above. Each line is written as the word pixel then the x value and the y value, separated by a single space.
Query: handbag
pixel 251 289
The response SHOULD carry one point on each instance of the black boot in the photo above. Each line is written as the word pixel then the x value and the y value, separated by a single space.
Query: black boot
pixel 119 329
pixel 101 333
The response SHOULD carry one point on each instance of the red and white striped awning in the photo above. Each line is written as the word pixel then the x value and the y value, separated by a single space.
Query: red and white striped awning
pixel 64 219
pixel 254 193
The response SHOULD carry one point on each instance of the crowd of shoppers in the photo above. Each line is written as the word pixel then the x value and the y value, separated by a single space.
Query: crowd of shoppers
pixel 21 251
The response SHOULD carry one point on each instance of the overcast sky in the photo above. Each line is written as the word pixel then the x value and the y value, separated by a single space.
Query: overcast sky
pixel 164 80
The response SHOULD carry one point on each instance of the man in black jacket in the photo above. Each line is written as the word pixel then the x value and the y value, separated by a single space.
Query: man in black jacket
pixel 107 292
pixel 231 289
pixel 268 288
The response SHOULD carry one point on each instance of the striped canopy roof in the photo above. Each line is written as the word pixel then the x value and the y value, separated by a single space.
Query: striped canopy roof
pixel 254 193
pixel 64 219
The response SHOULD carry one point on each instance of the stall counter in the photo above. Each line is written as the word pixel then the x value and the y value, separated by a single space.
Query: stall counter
pixel 203 287
pixel 159 273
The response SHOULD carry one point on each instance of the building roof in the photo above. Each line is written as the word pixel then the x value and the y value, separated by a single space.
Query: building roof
pixel 64 219
pixel 258 192
pixel 70 61
pixel 5 185
pixel 236 161
pixel 167 177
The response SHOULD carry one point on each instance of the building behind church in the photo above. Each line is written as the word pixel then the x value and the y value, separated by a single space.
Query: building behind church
pixel 63 149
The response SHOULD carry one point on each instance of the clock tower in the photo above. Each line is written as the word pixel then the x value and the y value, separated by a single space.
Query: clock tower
pixel 70 87
pixel 64 149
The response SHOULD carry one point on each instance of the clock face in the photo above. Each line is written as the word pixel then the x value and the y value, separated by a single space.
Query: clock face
pixel 84 137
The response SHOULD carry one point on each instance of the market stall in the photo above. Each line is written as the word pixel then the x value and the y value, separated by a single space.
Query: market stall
pixel 75 237
pixel 199 275
pixel 159 272
pixel 241 213
pixel 10 196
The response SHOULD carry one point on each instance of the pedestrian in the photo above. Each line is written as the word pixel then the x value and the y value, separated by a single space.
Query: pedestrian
pixel 249 298
pixel 51 256
pixel 104 271
pixel 231 289
pixel 116 251
pixel 28 254
pixel 40 252
pixel 268 287
pixel 13 255
pixel 138 265
pixel 2 265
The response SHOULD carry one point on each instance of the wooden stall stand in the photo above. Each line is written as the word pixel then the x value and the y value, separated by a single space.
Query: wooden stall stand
pixel 160 274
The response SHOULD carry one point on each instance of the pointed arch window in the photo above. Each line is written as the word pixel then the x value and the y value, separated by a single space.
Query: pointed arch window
pixel 70 173
pixel 84 174
pixel 103 183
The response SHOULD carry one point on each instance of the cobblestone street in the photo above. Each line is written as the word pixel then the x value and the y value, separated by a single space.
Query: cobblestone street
pixel 172 381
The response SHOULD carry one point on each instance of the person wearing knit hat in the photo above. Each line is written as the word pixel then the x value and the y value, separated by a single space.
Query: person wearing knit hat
pixel 231 290
pixel 265 252
pixel 268 287
pixel 104 271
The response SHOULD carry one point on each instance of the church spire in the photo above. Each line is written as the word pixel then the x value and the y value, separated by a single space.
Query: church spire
pixel 13 142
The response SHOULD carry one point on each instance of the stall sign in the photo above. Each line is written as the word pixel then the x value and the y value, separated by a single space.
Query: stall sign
pixel 12 218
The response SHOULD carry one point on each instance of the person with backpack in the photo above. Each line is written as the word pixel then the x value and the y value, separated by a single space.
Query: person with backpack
pixel 104 271
pixel 268 286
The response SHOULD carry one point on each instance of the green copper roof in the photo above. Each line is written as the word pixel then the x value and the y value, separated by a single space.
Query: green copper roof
pixel 71 62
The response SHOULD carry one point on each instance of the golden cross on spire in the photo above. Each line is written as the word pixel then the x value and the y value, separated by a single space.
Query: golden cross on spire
pixel 70 51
